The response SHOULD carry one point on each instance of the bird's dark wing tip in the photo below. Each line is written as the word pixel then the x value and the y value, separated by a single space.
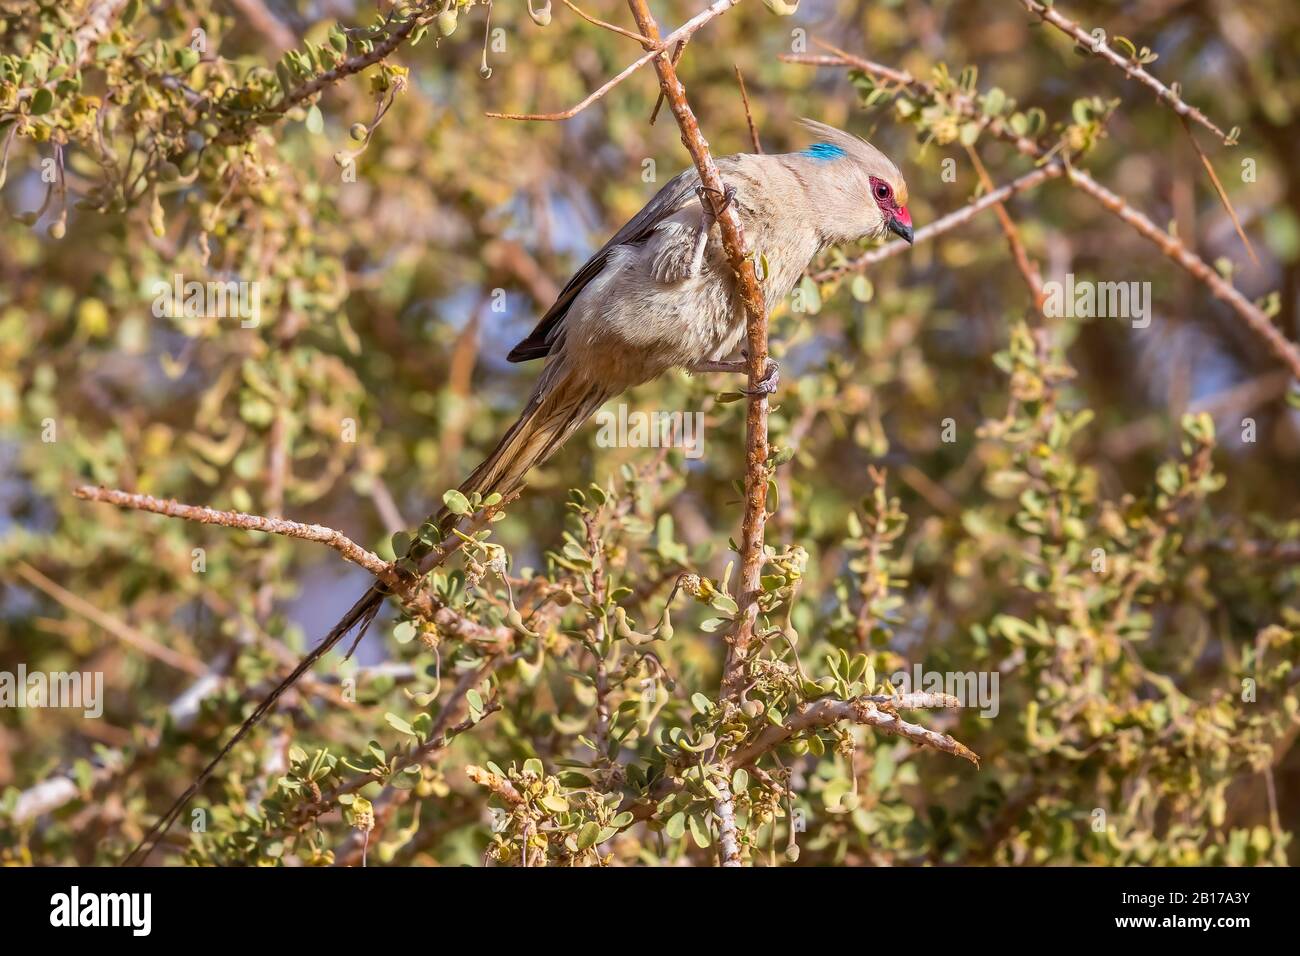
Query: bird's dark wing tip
pixel 527 350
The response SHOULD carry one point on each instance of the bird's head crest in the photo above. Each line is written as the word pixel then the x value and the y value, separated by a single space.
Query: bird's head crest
pixel 880 178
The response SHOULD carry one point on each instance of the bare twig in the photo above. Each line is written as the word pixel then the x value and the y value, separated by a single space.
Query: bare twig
pixel 749 116
pixel 123 632
pixel 1255 318
pixel 1222 193
pixel 876 711
pixel 613 28
pixel 1098 45
pixel 678 50
pixel 236 519
pixel 681 33
pixel 498 784
pixel 1028 269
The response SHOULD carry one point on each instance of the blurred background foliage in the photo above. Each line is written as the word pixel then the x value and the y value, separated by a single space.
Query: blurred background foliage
pixel 955 462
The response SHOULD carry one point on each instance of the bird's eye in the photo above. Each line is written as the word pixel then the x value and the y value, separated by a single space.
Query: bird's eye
pixel 882 191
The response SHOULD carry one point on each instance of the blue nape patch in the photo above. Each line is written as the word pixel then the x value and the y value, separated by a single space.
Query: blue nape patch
pixel 824 151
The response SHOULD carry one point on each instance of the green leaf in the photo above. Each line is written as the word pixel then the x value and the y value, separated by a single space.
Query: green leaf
pixel 456 502
pixel 588 835
pixel 315 121
pixel 42 102
pixel 400 725
pixel 555 803
pixel 401 543
pixel 699 831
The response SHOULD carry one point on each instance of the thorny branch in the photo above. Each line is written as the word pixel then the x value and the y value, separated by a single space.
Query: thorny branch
pixel 247 522
pixel 657 46
pixel 751 297
pixel 1096 42
pixel 878 711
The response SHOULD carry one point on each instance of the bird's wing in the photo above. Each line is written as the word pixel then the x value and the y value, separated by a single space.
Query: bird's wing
pixel 676 193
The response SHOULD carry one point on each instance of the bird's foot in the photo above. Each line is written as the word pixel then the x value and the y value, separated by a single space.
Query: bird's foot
pixel 768 384
pixel 707 199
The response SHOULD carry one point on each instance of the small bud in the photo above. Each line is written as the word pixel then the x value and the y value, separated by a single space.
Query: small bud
pixel 358 131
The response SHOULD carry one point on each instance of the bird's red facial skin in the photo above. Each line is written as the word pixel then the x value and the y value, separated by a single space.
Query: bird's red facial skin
pixel 884 196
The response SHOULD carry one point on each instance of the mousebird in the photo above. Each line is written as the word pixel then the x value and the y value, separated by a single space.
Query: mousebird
pixel 660 295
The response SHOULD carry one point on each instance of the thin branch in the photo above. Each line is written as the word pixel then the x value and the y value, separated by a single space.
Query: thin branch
pixel 357 63
pixel 749 117
pixel 612 27
pixel 876 711
pixel 678 50
pixel 750 294
pixel 1222 193
pixel 725 808
pixel 123 632
pixel 938 227
pixel 236 519
pixel 498 784
pixel 1097 44
pixel 1028 269
pixel 681 33
pixel 1254 317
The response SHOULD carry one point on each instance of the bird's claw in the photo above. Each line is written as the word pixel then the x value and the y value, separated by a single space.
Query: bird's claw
pixel 768 384
pixel 705 192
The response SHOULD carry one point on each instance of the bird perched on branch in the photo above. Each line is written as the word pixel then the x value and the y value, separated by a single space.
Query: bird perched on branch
pixel 660 295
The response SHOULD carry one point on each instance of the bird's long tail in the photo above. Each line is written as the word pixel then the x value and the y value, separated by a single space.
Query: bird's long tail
pixel 560 404
pixel 361 613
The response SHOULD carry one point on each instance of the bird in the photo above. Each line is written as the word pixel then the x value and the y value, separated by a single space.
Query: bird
pixel 661 295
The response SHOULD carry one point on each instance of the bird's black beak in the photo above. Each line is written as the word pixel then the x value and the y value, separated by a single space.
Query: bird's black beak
pixel 901 225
